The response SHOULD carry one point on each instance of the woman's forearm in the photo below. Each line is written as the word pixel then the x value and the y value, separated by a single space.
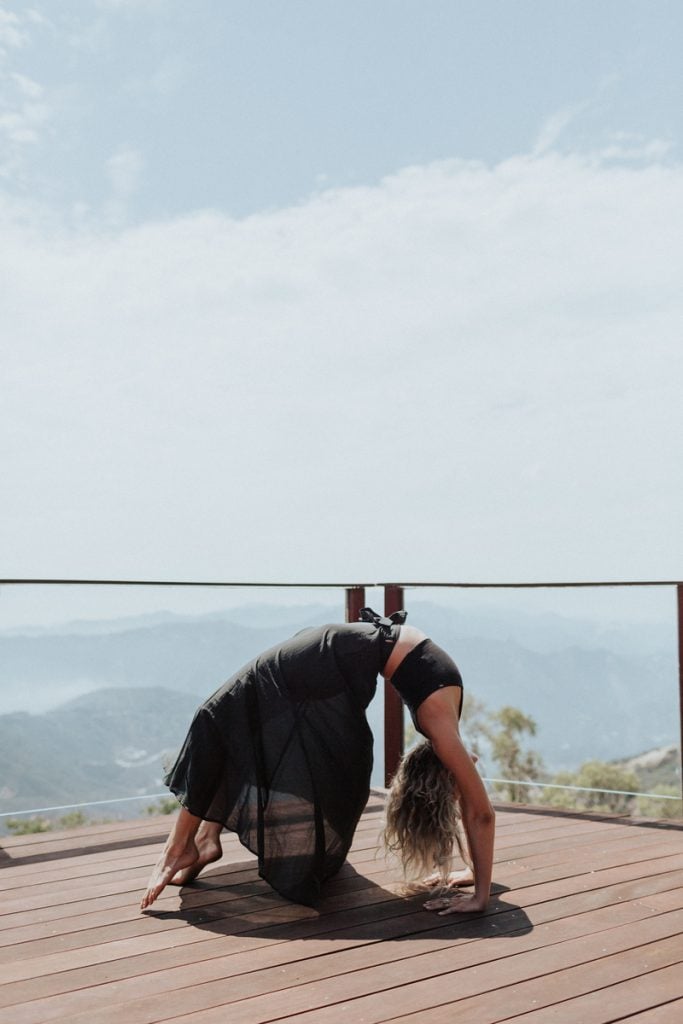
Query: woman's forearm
pixel 480 829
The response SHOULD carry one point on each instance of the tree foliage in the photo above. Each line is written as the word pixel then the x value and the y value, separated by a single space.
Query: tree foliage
pixel 509 727
pixel 29 826
pixel 497 737
pixel 650 807
pixel 595 775
pixel 165 805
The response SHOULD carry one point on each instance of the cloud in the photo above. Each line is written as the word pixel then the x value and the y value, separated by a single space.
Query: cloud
pixel 27 86
pixel 24 115
pixel 124 169
pixel 135 6
pixel 23 111
pixel 467 370
pixel 555 125
pixel 629 147
pixel 11 33
pixel 24 108
pixel 166 79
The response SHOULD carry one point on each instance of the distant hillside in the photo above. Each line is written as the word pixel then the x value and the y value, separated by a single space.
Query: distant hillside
pixel 659 767
pixel 107 744
pixel 194 655
pixel 586 703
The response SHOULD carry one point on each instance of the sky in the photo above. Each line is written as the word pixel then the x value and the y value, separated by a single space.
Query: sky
pixel 293 290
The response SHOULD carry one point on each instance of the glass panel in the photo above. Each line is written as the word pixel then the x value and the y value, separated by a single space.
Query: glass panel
pixel 98 684
pixel 593 670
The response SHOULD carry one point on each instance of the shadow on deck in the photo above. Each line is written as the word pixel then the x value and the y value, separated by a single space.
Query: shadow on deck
pixel 585 926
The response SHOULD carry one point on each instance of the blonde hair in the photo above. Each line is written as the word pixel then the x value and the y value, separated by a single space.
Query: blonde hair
pixel 423 815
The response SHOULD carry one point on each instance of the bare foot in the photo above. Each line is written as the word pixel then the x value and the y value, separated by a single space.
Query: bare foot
pixel 209 851
pixel 173 860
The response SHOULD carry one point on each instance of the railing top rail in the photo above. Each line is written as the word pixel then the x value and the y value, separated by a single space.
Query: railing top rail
pixel 302 585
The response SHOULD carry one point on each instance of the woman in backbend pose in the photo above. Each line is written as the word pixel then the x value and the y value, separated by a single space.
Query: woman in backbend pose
pixel 282 755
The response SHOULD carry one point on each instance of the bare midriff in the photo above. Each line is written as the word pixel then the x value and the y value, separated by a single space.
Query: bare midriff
pixel 408 639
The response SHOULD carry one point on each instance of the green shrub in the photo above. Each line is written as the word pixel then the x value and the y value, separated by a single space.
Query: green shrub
pixel 650 807
pixel 166 805
pixel 27 826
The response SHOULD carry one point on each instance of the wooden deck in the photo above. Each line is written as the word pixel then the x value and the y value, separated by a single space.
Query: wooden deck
pixel 586 927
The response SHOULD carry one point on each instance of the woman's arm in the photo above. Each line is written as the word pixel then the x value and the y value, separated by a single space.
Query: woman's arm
pixel 438 719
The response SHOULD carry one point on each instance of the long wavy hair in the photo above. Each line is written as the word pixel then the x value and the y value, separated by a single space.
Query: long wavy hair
pixel 423 824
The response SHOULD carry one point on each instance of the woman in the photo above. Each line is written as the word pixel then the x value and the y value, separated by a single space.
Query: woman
pixel 282 755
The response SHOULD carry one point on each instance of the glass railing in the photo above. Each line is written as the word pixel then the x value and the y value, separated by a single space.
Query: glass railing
pixel 572 692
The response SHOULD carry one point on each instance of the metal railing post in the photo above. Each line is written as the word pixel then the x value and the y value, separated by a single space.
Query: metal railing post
pixel 679 593
pixel 355 600
pixel 393 705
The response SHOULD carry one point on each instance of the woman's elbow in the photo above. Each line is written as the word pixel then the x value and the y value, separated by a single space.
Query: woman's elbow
pixel 482 817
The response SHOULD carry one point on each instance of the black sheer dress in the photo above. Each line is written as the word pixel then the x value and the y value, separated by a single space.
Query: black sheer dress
pixel 281 754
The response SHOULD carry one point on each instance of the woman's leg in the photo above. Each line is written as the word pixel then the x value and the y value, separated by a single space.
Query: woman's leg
pixel 179 853
pixel 209 849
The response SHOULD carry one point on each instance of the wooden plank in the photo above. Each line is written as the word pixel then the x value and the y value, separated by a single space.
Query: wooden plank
pixel 666 1013
pixel 638 993
pixel 629 1000
pixel 587 853
pixel 643 989
pixel 563 841
pixel 130 826
pixel 52 845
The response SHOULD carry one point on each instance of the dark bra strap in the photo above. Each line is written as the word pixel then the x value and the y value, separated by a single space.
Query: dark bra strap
pixel 383 623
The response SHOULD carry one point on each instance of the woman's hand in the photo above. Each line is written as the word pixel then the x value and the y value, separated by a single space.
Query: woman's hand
pixel 459 903
pixel 451 881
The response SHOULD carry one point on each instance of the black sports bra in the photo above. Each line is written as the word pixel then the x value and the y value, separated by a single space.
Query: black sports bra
pixel 424 670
